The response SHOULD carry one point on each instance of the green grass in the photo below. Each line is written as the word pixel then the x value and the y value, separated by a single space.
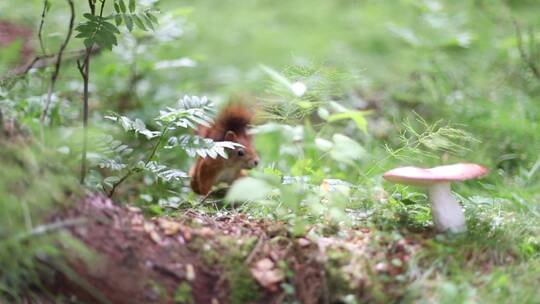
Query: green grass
pixel 450 61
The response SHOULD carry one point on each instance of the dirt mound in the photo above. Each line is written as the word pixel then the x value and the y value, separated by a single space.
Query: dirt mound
pixel 166 260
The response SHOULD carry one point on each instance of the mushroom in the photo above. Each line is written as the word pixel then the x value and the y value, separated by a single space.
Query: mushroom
pixel 447 213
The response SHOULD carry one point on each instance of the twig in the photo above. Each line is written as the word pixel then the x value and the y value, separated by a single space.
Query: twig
pixel 528 59
pixel 41 23
pixel 85 70
pixel 43 229
pixel 256 249
pixel 56 71
pixel 204 198
pixel 43 61
pixel 121 180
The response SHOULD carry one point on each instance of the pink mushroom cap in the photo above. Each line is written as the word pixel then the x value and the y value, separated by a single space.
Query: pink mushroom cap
pixel 421 176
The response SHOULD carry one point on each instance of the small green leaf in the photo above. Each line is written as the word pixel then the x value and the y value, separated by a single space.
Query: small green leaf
pixel 110 27
pixel 129 22
pixel 148 22
pixel 122 6
pixel 248 189
pixel 139 22
pixel 323 144
pixel 346 149
pixel 102 41
pixel 132 6
pixel 88 16
pixel 109 181
pixel 116 8
pixel 152 17
pixel 356 116
pixel 106 39
pixel 118 20
pixel 88 42
pixel 86 28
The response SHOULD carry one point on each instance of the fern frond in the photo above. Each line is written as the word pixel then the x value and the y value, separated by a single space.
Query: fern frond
pixel 136 125
pixel 110 152
pixel 204 147
pixel 190 112
pixel 163 172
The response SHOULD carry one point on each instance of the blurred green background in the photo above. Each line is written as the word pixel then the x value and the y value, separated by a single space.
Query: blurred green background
pixel 443 81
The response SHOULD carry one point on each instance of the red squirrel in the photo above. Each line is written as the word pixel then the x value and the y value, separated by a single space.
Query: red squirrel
pixel 231 125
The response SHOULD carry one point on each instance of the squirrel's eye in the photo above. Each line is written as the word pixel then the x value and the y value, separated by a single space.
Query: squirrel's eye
pixel 241 152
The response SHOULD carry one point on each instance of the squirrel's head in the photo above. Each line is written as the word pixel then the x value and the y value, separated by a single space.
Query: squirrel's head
pixel 245 157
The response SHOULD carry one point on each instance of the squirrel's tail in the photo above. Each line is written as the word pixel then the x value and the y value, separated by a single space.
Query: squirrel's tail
pixel 234 117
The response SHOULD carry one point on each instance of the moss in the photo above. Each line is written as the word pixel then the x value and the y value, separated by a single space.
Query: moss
pixel 183 294
pixel 243 287
pixel 337 281
pixel 157 289
pixel 229 254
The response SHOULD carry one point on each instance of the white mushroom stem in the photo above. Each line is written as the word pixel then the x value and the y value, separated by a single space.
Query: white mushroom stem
pixel 447 213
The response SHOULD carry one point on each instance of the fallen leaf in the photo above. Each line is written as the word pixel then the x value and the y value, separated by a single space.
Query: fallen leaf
pixel 134 209
pixel 169 227
pixel 187 235
pixel 149 227
pixel 266 274
pixel 303 242
pixel 155 237
pixel 206 232
pixel 137 221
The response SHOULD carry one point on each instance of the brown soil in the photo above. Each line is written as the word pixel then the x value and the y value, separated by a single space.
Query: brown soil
pixel 147 261
pixel 11 32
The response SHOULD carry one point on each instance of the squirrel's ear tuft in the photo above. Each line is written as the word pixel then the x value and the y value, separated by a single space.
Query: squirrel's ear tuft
pixel 231 136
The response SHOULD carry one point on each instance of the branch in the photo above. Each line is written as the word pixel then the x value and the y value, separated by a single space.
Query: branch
pixel 54 76
pixel 40 31
pixel 44 61
pixel 46 228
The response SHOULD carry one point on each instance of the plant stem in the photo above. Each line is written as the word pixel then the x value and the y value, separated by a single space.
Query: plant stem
pixel 148 160
pixel 85 72
pixel 56 71
pixel 40 31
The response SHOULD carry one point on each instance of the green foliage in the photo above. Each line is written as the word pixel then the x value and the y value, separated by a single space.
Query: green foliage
pixel 99 30
pixel 356 116
pixel 370 86
pixel 229 254
pixel 163 172
pixel 431 141
pixel 189 112
pixel 31 187
pixel 200 146
pixel 183 294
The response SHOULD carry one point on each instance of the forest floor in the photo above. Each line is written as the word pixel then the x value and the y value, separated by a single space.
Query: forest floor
pixel 227 259
pixel 421 68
